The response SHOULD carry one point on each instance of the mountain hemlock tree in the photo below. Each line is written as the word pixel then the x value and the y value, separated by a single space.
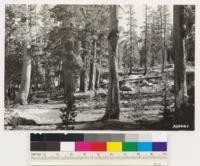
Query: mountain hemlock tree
pixel 113 104
pixel 180 63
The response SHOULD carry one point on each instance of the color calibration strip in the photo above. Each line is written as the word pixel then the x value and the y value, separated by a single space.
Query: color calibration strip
pixel 58 149
pixel 98 142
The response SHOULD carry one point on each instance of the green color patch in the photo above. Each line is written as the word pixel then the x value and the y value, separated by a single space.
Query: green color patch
pixel 129 146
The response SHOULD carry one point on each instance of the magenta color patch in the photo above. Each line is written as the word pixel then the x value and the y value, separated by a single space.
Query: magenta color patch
pixel 82 146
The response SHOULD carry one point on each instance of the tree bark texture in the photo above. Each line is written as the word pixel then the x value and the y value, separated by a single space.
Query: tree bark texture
pixel 69 84
pixel 68 77
pixel 92 73
pixel 113 104
pixel 98 69
pixel 71 64
pixel 131 41
pixel 180 62
pixel 83 74
pixel 145 43
pixel 26 76
pixel 97 79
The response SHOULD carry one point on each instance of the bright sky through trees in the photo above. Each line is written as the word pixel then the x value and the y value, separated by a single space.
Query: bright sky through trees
pixel 139 15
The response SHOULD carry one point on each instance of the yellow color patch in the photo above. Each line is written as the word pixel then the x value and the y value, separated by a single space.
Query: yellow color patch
pixel 114 146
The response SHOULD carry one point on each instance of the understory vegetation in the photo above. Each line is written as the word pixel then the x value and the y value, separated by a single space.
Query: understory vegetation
pixel 98 67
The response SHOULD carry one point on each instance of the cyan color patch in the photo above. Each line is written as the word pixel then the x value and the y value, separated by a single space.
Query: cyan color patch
pixel 144 146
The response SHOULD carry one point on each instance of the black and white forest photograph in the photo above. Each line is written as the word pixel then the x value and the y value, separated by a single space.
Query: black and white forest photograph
pixel 99 67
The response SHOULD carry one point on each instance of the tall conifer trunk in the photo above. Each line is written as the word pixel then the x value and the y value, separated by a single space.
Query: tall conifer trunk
pixel 26 76
pixel 179 63
pixel 113 104
pixel 92 73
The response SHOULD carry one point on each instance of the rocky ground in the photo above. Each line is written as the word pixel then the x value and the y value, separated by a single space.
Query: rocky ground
pixel 141 99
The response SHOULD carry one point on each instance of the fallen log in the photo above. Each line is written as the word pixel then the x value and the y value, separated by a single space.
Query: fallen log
pixel 138 79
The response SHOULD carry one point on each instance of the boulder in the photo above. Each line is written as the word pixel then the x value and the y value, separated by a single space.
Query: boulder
pixel 167 66
pixel 84 95
pixel 146 83
pixel 35 116
pixel 126 87
pixel 101 93
pixel 104 83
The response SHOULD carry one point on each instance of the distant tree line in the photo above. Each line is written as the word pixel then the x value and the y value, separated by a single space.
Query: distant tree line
pixel 51 47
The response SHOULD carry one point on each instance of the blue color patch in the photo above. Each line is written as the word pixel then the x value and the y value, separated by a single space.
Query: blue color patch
pixel 144 146
pixel 159 146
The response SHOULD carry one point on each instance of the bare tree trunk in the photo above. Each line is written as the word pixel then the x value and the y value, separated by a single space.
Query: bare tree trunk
pixel 145 43
pixel 113 105
pixel 131 41
pixel 153 58
pixel 83 80
pixel 165 31
pixel 26 68
pixel 83 72
pixel 180 63
pixel 92 74
pixel 161 36
pixel 97 78
pixel 98 69
pixel 164 37
pixel 153 48
pixel 68 71
pixel 47 78
pixel 69 84
pixel 26 76
pixel 83 75
pixel 60 76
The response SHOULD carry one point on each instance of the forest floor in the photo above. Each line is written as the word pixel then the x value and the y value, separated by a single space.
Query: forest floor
pixel 141 103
